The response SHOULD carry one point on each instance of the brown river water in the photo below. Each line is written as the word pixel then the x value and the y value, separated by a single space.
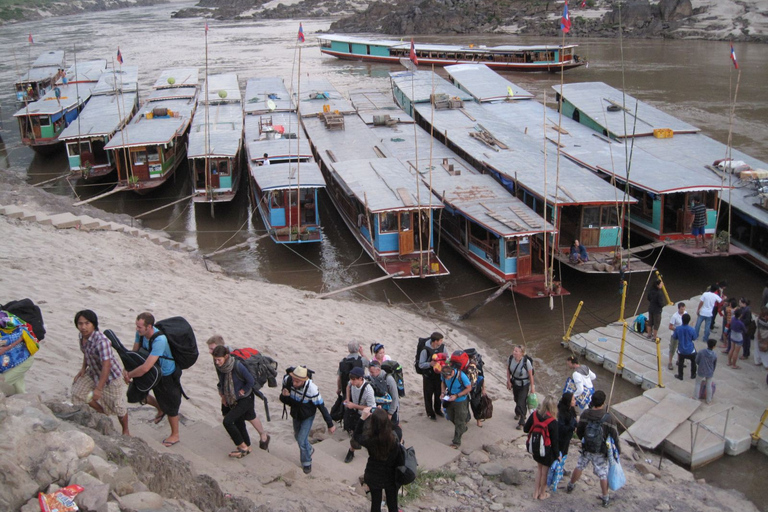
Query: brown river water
pixel 692 80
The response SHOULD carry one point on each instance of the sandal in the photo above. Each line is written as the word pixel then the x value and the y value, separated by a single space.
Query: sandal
pixel 239 453
pixel 158 418
pixel 264 445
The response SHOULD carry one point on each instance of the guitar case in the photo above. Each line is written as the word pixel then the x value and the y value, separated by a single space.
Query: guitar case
pixel 132 360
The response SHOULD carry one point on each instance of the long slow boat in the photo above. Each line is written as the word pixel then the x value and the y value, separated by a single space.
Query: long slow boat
pixel 215 140
pixel 39 79
pixel 114 100
pixel 381 199
pixel 551 58
pixel 285 179
pixel 150 148
pixel 41 122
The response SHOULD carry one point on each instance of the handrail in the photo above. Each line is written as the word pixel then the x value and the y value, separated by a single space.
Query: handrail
pixel 756 433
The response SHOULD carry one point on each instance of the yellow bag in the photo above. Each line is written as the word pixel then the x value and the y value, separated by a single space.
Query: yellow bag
pixel 32 344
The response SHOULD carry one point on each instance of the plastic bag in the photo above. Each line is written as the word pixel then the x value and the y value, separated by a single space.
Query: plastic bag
pixel 532 401
pixel 62 500
pixel 556 473
pixel 616 478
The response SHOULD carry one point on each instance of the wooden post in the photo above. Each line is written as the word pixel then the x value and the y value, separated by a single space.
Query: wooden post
pixel 493 297
pixel 388 276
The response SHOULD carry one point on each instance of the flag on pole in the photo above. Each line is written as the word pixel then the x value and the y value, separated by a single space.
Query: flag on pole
pixel 301 32
pixel 412 54
pixel 119 56
pixel 565 21
pixel 31 41
pixel 733 57
pixel 206 27
pixel 584 3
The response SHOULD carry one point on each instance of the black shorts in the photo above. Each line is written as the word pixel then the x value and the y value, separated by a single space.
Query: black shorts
pixel 168 393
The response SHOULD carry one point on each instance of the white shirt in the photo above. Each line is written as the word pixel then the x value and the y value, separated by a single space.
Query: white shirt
pixel 708 301
pixel 582 381
pixel 676 320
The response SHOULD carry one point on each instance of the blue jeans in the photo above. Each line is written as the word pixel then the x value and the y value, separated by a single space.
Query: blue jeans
pixel 707 321
pixel 301 434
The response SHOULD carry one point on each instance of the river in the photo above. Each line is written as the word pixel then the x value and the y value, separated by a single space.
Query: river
pixel 689 79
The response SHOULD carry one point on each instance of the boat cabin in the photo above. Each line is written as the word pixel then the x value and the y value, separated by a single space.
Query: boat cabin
pixel 35 83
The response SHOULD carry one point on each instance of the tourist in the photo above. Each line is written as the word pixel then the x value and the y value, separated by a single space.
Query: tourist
pixel 216 341
pixel 566 419
pixel 704 312
pixel 381 379
pixel 167 391
pixel 520 382
pixel 303 397
pixel 698 226
pixel 359 396
pixel 580 382
pixel 718 309
pixel 354 359
pixel 595 453
pixel 727 312
pixel 656 303
pixel 746 317
pixel 476 376
pixel 431 379
pixel 455 397
pixel 675 321
pixel 736 335
pixel 543 423
pixel 237 402
pixel 265 160
pixel 685 336
pixel 578 253
pixel 378 353
pixel 706 362
pixel 99 383
pixel 381 441
pixel 761 336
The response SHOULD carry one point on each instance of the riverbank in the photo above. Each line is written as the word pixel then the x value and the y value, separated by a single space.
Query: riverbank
pixel 14 11
pixel 119 275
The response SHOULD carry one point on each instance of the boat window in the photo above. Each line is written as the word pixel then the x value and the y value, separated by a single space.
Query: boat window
pixel 511 248
pixel 388 222
pixel 405 221
pixel 44 120
pixel 609 217
pixel 223 168
pixel 524 248
pixel 276 199
pixel 152 154
pixel 74 148
pixel 590 217
pixel 140 157
pixel 368 49
pixel 325 43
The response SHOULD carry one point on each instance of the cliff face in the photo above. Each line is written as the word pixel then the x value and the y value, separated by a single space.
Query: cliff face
pixel 21 10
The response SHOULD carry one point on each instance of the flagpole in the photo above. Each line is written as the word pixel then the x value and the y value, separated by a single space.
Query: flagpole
pixel 207 162
pixel 730 139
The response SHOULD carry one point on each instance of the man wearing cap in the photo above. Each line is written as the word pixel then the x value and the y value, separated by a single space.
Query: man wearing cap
pixel 430 378
pixel 359 396
pixel 355 359
pixel 377 374
pixel 302 396
pixel 456 388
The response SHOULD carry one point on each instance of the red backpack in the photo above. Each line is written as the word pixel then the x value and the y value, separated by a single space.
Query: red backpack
pixel 538 437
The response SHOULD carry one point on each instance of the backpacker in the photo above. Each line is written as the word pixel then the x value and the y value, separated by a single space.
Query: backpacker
pixel 302 411
pixel 538 436
pixel 352 416
pixel 406 472
pixel 594 436
pixel 181 340
pixel 345 366
pixel 474 354
pixel 395 369
pixel 420 346
pixel 132 360
pixel 28 311
pixel 513 371
pixel 459 360
pixel 263 368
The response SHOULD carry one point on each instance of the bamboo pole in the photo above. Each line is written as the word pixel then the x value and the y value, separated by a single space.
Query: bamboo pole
pixel 347 288
pixel 488 300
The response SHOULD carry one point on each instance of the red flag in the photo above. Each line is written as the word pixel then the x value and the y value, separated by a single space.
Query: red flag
pixel 412 54
pixel 30 38
pixel 584 3
pixel 206 27
pixel 565 21
pixel 119 56
pixel 301 32
pixel 733 57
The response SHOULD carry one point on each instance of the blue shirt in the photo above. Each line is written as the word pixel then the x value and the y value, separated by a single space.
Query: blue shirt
pixel 686 335
pixel 162 350
pixel 455 385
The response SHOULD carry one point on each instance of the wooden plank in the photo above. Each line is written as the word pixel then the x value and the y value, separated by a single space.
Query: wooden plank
pixel 405 196
pixel 371 281
pixel 105 194
pixel 493 297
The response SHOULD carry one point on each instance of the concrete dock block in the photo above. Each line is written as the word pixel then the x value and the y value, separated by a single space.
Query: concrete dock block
pixel 12 212
pixel 633 375
pixel 43 219
pixel 762 446
pixel 650 379
pixel 29 216
pixel 65 221
pixel 611 363
pixel 88 223
pixel 578 344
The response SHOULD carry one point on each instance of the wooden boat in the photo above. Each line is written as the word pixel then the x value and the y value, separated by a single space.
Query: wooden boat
pixel 114 100
pixel 215 140
pixel 384 204
pixel 285 185
pixel 508 145
pixel 42 121
pixel 35 83
pixel 552 58
pixel 663 184
pixel 150 148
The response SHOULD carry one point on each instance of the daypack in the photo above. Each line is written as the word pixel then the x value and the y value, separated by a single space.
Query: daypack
pixel 30 313
pixel 594 436
pixel 459 360
pixel 263 368
pixel 181 340
pixel 337 411
pixel 132 360
pixel 406 473
pixel 345 366
pixel 352 416
pixel 474 354
pixel 395 369
pixel 538 436
pixel 380 392
pixel 420 346
pixel 640 323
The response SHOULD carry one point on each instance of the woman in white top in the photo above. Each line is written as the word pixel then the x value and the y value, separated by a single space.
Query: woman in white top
pixel 378 353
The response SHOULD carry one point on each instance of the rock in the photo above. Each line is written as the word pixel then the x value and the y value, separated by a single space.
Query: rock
pixel 93 497
pixel 491 469
pixel 645 469
pixel 663 507
pixel 493 449
pixel 33 505
pixel 649 477
pixel 142 501
pixel 479 457
pixel 17 486
pixel 511 476
pixel 123 481
pixel 466 450
pixel 84 480
pixel 476 476
pixel 496 506
pixel 675 10
pixel 80 442
pixel 465 481
pixel 701 481
pixel 100 468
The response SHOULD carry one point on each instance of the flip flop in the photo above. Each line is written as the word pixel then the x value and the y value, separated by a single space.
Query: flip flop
pixel 158 418
pixel 264 445
pixel 168 444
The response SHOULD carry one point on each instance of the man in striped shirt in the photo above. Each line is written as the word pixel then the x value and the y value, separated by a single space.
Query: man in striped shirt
pixel 699 211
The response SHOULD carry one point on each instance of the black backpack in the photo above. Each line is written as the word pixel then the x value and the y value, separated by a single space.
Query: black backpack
pixel 594 436
pixel 379 386
pixel 263 368
pixel 28 311
pixel 345 366
pixel 181 340
pixel 420 346
pixel 406 472
pixel 525 358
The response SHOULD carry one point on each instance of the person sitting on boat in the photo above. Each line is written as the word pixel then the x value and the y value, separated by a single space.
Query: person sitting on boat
pixel 266 160
pixel 578 253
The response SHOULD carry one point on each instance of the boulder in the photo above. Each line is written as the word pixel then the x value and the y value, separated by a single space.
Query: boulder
pixel 645 469
pixel 491 469
pixel 80 442
pixel 511 476
pixel 93 497
pixel 100 468
pixel 675 10
pixel 479 457
pixel 17 486
pixel 494 449
pixel 142 501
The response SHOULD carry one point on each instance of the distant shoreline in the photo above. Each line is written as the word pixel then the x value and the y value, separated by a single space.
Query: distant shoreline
pixel 19 13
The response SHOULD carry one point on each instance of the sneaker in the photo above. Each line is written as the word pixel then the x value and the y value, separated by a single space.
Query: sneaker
pixel 569 488
pixel 349 457
pixel 433 417
pixel 605 500
pixel 307 469
pixel 679 377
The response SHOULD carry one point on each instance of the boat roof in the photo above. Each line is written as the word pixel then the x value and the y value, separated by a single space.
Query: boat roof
pixel 418 86
pixel 48 59
pixel 276 176
pixel 226 82
pixel 37 75
pixel 286 144
pixel 485 201
pixel 85 71
pixel 101 117
pixel 225 133
pixel 384 184
pixel 182 77
pixel 316 93
pixel 45 66
pixel 592 99
pixel 125 79
pixel 172 94
pixel 259 90
pixel 148 132
pixel 392 43
pixel 484 84
pixel 48 105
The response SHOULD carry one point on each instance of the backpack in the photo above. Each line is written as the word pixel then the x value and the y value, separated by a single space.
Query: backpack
pixel 420 346
pixel 640 323
pixel 132 360
pixel 526 358
pixel 181 340
pixel 594 436
pixel 538 437
pixel 380 392
pixel 28 311
pixel 474 354
pixel 395 369
pixel 459 360
pixel 263 368
pixel 345 366
pixel 406 473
